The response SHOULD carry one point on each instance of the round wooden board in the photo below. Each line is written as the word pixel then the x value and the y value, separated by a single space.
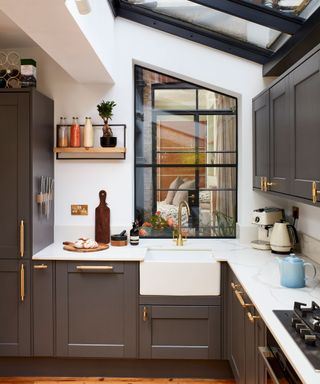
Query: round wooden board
pixel 72 248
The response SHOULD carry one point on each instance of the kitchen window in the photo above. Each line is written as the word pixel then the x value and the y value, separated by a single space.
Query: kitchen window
pixel 185 149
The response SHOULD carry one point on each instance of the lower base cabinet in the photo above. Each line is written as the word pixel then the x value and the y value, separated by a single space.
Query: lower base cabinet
pixel 246 333
pixel 15 308
pixel 180 332
pixel 96 309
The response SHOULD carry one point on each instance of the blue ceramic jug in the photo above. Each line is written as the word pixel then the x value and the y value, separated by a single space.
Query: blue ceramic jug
pixel 292 271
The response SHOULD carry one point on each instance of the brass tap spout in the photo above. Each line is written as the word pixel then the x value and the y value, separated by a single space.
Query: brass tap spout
pixel 179 241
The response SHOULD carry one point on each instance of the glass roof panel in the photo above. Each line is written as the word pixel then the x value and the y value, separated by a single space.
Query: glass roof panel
pixel 216 21
pixel 301 8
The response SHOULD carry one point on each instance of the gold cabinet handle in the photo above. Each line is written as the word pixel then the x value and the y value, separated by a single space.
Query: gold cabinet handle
pixel 145 313
pixel 240 299
pixel 235 286
pixel 40 266
pixel 252 317
pixel 94 267
pixel 315 192
pixel 262 183
pixel 21 238
pixel 22 293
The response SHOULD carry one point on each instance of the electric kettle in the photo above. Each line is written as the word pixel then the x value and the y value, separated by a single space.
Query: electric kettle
pixel 283 237
pixel 292 271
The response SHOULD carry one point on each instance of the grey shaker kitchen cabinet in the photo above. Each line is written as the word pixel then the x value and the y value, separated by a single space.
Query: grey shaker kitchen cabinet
pixel 43 307
pixel 260 116
pixel 96 309
pixel 26 127
pixel 15 308
pixel 304 84
pixel 180 332
pixel 246 333
pixel 279 180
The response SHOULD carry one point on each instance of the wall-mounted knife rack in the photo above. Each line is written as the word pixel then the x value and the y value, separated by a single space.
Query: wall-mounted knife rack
pixel 45 197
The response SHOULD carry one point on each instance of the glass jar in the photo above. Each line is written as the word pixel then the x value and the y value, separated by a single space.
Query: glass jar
pixel 62 133
pixel 75 136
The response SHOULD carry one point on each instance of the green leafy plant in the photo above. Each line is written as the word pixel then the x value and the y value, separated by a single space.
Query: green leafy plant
pixel 226 225
pixel 105 109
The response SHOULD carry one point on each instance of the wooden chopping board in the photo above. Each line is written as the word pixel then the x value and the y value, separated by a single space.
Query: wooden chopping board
pixel 70 247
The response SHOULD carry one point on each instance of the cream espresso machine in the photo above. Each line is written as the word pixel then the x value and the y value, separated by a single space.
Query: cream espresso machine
pixel 265 218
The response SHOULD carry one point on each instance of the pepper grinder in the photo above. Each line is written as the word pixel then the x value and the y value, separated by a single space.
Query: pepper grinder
pixel 102 230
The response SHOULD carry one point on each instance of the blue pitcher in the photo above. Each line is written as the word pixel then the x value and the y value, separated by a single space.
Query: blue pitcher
pixel 292 271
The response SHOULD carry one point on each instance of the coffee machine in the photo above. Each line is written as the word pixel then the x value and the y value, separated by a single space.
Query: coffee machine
pixel 265 218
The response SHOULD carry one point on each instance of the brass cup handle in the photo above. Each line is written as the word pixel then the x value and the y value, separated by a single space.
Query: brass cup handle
pixel 21 238
pixel 94 267
pixel 240 299
pixel 252 317
pixel 145 313
pixel 40 266
pixel 22 283
pixel 314 192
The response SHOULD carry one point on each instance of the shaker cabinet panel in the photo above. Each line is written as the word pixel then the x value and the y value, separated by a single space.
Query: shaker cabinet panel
pixel 260 117
pixel 14 158
pixel 180 332
pixel 280 138
pixel 43 283
pixel 305 126
pixel 15 308
pixel 96 309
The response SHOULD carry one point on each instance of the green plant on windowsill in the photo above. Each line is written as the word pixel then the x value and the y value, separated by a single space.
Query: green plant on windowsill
pixel 226 225
pixel 157 225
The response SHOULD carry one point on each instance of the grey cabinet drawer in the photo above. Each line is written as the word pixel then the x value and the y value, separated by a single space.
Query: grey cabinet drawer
pixel 180 332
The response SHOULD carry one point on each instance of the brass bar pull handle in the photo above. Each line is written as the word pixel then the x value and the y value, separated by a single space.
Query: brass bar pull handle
pixel 94 267
pixel 252 317
pixel 235 286
pixel 40 266
pixel 145 313
pixel 240 299
pixel 315 192
pixel 21 238
pixel 262 183
pixel 22 292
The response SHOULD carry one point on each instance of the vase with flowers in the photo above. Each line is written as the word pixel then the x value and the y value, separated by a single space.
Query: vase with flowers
pixel 156 225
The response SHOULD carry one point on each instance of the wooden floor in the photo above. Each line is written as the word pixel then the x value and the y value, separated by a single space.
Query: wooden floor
pixel 99 380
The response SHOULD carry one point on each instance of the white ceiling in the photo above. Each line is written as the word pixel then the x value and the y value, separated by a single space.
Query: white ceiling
pixel 11 36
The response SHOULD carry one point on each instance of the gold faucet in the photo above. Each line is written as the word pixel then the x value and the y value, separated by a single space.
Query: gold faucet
pixel 179 241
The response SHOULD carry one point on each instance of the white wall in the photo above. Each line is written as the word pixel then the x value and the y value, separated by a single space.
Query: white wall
pixel 80 181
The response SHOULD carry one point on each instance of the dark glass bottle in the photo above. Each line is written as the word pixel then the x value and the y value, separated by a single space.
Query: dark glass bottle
pixel 134 234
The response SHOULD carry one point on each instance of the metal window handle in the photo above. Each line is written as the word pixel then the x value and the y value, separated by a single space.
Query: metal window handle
pixel 21 238
pixel 315 192
pixel 22 292
pixel 252 317
pixel 94 267
pixel 40 266
pixel 145 313
pixel 240 299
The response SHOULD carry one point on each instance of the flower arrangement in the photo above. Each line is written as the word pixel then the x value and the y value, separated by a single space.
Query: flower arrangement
pixel 156 223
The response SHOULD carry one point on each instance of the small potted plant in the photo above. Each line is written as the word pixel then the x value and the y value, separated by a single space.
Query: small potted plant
pixel 105 109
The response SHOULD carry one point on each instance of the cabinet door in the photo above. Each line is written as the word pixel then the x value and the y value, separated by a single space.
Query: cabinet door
pixel 280 167
pixel 305 126
pixel 261 156
pixel 180 332
pixel 14 160
pixel 15 308
pixel 236 335
pixel 96 306
pixel 43 308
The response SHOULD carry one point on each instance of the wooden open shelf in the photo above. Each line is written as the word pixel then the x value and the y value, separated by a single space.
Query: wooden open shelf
pixel 90 153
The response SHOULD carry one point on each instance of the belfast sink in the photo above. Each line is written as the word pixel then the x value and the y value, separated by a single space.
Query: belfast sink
pixel 179 272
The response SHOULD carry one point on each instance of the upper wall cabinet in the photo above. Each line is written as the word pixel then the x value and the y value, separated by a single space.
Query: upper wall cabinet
pixel 286 133
pixel 26 128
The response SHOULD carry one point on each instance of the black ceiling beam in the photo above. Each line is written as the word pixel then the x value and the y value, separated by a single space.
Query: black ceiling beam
pixel 295 48
pixel 257 14
pixel 196 34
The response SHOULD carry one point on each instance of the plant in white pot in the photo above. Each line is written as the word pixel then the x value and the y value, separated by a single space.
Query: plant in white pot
pixel 105 109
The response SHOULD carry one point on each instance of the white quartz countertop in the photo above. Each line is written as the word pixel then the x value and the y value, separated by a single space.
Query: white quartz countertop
pixel 257 271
